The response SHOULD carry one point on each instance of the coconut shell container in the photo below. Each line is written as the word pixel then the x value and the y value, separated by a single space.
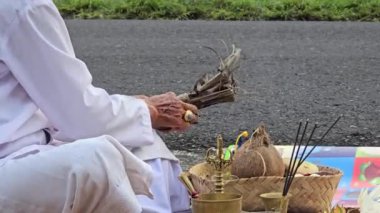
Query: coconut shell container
pixel 258 168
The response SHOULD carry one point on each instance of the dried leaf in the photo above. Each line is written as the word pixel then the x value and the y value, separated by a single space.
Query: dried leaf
pixel 214 89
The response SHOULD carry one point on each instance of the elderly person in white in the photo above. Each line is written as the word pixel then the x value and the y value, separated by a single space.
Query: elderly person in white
pixel 67 146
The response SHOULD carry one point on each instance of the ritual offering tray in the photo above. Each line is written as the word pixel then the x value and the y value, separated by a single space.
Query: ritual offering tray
pixel 261 171
pixel 309 193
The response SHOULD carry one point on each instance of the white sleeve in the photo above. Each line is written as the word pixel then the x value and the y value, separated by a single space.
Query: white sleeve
pixel 39 53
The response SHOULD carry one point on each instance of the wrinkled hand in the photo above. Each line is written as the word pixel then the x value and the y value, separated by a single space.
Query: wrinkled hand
pixel 167 112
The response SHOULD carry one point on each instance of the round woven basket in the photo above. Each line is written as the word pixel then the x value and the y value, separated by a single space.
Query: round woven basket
pixel 309 193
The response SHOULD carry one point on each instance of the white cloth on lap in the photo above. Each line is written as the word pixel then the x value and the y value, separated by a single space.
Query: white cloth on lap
pixel 92 175
pixel 169 194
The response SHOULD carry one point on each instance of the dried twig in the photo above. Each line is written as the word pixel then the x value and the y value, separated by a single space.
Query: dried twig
pixel 214 89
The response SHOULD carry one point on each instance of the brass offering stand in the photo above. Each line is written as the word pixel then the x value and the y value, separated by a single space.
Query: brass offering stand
pixel 219 163
pixel 218 202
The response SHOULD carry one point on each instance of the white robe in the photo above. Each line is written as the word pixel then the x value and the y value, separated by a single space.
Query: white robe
pixel 44 86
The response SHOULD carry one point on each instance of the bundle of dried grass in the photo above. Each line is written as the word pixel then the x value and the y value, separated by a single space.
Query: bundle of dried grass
pixel 214 89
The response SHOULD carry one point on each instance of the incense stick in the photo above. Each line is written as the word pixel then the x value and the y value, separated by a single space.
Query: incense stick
pixel 323 136
pixel 303 153
pixel 292 169
pixel 289 171
pixel 290 161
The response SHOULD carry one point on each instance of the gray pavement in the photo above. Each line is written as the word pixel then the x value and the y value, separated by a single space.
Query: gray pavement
pixel 289 71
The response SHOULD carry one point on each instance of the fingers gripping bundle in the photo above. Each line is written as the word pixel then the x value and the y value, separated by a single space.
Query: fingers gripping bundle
pixel 169 113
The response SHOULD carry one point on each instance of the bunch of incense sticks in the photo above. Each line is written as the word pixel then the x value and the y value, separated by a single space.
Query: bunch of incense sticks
pixel 294 164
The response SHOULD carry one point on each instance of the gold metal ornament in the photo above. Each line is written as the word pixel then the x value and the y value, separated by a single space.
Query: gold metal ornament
pixel 218 202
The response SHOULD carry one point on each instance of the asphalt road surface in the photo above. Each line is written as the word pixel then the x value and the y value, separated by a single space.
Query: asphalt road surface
pixel 289 71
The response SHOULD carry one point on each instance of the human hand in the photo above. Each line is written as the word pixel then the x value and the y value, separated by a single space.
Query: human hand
pixel 168 112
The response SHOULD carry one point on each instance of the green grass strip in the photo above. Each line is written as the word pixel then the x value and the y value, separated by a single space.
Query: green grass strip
pixel 315 10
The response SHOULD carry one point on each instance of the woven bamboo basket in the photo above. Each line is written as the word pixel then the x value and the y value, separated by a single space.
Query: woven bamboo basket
pixel 309 194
